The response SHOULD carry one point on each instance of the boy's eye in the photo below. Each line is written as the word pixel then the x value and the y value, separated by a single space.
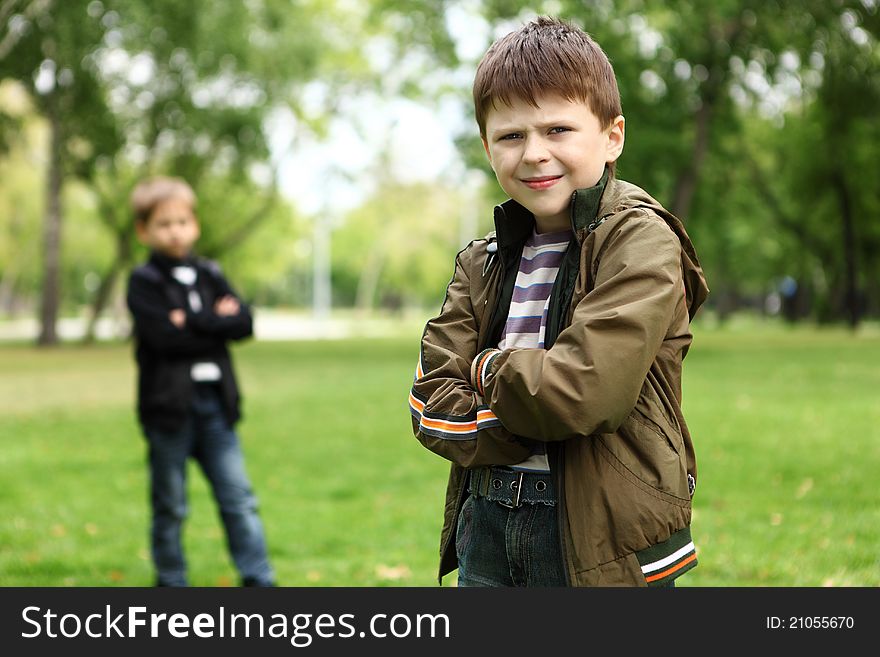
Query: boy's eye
pixel 509 136
pixel 559 129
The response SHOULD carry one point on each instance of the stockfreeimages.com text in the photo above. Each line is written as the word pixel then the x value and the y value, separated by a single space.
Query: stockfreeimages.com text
pixel 300 629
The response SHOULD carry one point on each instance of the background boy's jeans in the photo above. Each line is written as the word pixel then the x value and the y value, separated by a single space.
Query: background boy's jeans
pixel 207 437
pixel 498 546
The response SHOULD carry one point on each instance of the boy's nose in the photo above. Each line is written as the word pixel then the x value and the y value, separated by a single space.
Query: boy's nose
pixel 535 151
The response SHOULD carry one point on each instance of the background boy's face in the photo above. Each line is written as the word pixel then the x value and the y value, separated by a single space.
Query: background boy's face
pixel 542 154
pixel 171 229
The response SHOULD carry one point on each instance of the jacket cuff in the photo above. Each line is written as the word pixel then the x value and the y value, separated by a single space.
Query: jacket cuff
pixel 481 368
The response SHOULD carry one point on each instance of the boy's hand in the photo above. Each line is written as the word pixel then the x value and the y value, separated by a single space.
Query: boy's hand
pixel 226 306
pixel 177 317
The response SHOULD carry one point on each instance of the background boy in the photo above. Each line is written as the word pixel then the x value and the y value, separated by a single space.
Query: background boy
pixel 552 376
pixel 188 402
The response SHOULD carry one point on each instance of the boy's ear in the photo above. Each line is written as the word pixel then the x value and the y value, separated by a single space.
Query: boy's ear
pixel 616 134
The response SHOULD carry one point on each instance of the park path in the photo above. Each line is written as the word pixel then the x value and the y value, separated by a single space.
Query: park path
pixel 269 325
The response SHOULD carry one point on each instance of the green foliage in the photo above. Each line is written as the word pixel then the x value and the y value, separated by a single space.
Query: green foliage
pixel 756 121
pixel 749 119
pixel 398 248
pixel 145 88
pixel 260 261
pixel 21 200
pixel 414 24
pixel 48 55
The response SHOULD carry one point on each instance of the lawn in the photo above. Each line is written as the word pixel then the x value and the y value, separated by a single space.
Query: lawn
pixel 785 423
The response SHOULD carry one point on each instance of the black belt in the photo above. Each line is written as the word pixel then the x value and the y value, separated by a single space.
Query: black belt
pixel 511 488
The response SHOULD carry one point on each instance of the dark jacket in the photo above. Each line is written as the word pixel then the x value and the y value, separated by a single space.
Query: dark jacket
pixel 165 353
pixel 605 395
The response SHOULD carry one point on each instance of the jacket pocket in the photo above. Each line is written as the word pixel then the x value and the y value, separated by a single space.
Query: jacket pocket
pixel 645 449
pixel 652 412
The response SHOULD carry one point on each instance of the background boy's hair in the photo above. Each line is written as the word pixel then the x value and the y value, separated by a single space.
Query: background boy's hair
pixel 546 55
pixel 149 193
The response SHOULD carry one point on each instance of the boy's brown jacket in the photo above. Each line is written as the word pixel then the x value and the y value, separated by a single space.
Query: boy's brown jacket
pixel 605 395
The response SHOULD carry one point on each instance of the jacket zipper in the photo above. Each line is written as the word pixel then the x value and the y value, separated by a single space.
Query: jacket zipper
pixel 557 468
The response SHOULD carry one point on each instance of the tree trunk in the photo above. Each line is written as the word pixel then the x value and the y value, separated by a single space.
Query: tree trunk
pixel 244 230
pixel 52 231
pixel 784 220
pixel 850 279
pixel 711 90
pixel 868 262
pixel 108 280
pixel 102 295
pixel 686 185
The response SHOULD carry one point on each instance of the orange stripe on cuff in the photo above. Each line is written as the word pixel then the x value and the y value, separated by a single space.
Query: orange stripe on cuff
pixel 480 366
pixel 669 571
pixel 415 403
pixel 449 427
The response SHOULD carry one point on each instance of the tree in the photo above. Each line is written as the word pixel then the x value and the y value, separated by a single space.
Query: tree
pixel 211 74
pixel 397 248
pixel 44 49
pixel 694 79
pixel 130 88
pixel 828 206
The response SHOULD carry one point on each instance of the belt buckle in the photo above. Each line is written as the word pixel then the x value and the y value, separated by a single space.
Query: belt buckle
pixel 517 495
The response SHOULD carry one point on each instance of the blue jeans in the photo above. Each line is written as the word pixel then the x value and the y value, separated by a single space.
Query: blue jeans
pixel 207 437
pixel 498 546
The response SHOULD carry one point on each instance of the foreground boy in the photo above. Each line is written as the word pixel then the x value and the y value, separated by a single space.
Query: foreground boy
pixel 552 376
pixel 184 313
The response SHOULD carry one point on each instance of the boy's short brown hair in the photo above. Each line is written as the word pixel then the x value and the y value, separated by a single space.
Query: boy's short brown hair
pixel 546 56
pixel 149 193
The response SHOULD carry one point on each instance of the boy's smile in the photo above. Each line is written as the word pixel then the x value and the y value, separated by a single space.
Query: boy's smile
pixel 542 154
pixel 541 182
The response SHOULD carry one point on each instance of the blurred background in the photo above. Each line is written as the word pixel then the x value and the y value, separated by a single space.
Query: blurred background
pixel 337 164
pixel 338 169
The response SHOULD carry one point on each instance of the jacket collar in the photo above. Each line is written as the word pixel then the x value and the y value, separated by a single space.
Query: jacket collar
pixel 514 223
pixel 585 204
pixel 166 263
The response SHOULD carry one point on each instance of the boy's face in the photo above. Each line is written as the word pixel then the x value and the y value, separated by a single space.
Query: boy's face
pixel 171 229
pixel 542 155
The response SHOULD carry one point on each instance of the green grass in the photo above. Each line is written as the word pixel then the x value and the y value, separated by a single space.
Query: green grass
pixel 785 424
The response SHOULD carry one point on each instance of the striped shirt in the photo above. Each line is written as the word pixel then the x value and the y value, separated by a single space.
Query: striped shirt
pixel 527 317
